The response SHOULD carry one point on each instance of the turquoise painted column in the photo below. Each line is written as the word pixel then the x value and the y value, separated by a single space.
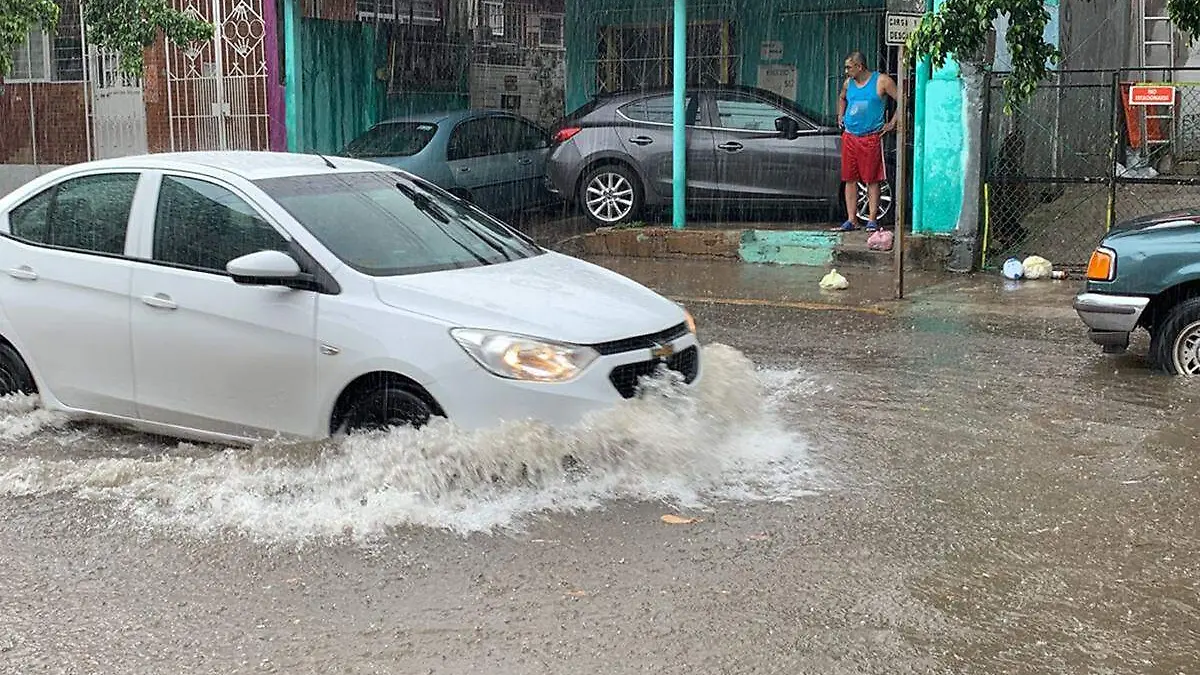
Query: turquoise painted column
pixel 292 71
pixel 679 151
pixel 918 176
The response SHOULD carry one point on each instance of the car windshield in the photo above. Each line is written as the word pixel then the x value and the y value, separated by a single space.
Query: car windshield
pixel 394 139
pixel 387 224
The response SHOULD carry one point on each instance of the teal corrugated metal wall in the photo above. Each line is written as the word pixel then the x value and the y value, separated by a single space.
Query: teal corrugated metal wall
pixel 817 35
pixel 342 96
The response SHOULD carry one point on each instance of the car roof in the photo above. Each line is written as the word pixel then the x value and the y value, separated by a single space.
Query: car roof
pixel 448 116
pixel 246 164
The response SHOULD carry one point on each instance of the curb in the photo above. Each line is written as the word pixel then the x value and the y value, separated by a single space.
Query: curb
pixel 813 248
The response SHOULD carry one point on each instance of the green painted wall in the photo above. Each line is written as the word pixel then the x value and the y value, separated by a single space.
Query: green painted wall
pixel 817 51
pixel 341 96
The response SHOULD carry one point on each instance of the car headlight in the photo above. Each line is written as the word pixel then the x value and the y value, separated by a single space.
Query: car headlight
pixel 518 357
pixel 691 321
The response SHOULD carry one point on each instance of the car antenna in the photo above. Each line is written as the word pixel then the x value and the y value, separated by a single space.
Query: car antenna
pixel 326 159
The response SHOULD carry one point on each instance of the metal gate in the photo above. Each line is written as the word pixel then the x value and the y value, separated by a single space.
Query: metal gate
pixel 118 109
pixel 1080 156
pixel 217 91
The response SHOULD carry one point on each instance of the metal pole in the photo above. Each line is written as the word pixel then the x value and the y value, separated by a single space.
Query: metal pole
pixel 900 192
pixel 679 149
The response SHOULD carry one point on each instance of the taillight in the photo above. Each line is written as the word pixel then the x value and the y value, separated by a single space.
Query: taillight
pixel 1103 265
pixel 565 134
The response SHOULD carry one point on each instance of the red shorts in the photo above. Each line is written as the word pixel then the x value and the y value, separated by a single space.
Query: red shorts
pixel 862 159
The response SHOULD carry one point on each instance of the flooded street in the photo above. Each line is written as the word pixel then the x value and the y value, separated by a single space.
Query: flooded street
pixel 958 483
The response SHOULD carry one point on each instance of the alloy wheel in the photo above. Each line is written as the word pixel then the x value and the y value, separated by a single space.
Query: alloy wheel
pixel 610 197
pixel 864 201
pixel 1187 350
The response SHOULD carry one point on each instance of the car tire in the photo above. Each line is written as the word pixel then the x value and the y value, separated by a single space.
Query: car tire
pixel 388 406
pixel 15 377
pixel 1175 341
pixel 611 194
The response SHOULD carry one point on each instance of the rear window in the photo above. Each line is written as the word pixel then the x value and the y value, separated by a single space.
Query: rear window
pixel 395 139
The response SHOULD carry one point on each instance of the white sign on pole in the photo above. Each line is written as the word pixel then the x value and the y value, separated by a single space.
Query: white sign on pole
pixel 900 26
pixel 778 78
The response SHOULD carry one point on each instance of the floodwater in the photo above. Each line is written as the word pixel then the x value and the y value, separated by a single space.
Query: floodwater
pixel 959 483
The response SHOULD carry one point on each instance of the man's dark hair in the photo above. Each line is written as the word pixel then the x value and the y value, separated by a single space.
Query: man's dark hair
pixel 857 57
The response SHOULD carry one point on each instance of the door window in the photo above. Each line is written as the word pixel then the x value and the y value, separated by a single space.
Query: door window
pixel 516 136
pixel 471 139
pixel 746 114
pixel 89 213
pixel 203 226
pixel 661 110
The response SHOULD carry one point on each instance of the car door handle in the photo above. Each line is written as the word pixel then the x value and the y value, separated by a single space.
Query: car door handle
pixel 641 140
pixel 464 169
pixel 525 161
pixel 24 273
pixel 731 146
pixel 159 301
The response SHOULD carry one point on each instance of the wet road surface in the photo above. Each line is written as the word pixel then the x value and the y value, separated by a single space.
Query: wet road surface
pixel 957 483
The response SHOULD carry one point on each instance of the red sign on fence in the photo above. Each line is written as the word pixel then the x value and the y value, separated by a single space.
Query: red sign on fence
pixel 1147 94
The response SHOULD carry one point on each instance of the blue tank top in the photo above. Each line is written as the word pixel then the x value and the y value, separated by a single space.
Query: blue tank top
pixel 864 107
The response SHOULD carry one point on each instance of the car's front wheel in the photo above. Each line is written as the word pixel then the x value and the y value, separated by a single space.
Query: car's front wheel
pixel 611 195
pixel 862 205
pixel 15 377
pixel 1175 342
pixel 388 406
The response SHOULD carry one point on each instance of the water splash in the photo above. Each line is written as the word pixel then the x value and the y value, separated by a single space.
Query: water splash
pixel 722 441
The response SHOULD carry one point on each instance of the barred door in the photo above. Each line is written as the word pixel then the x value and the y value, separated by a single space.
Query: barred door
pixel 217 91
pixel 118 110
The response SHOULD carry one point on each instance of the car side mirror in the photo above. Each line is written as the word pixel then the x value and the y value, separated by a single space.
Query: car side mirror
pixel 268 268
pixel 788 128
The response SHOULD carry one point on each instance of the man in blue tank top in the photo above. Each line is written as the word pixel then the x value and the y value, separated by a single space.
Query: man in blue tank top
pixel 861 111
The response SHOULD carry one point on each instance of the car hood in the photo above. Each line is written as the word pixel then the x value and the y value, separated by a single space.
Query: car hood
pixel 550 296
pixel 1155 222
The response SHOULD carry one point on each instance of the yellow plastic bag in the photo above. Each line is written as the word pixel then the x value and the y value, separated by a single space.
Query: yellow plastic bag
pixel 834 282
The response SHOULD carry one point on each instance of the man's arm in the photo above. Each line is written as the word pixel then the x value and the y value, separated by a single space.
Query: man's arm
pixel 887 86
pixel 842 105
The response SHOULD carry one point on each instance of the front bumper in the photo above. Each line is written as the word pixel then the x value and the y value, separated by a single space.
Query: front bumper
pixel 475 399
pixel 1111 318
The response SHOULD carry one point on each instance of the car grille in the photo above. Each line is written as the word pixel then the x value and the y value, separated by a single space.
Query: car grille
pixel 633 344
pixel 625 378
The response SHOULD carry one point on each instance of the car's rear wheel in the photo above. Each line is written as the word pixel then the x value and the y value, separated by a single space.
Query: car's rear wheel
pixel 15 377
pixel 1175 342
pixel 388 406
pixel 611 195
pixel 863 205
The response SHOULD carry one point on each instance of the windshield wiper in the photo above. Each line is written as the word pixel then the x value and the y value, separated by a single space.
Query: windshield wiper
pixel 439 218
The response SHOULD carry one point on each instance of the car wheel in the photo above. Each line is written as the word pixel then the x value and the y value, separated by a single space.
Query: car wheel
pixel 1175 343
pixel 863 207
pixel 611 195
pixel 15 377
pixel 388 406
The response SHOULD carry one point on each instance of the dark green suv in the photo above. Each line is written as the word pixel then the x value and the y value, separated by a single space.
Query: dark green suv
pixel 1146 273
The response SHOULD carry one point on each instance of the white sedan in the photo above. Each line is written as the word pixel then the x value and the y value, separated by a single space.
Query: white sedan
pixel 235 296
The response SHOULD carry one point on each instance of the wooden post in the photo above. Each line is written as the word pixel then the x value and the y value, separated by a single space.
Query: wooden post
pixel 899 193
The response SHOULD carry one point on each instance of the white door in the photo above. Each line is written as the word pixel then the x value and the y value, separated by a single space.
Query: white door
pixel 118 109
pixel 210 354
pixel 69 305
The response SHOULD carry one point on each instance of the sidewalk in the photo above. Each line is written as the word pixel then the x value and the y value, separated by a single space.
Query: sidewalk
pixel 786 242
pixel 871 291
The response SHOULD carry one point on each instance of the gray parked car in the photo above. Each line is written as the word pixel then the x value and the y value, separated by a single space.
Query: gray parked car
pixel 490 157
pixel 746 147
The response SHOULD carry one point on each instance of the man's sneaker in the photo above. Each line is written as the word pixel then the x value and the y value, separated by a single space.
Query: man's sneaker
pixel 872 226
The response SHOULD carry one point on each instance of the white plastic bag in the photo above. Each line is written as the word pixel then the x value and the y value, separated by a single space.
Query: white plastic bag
pixel 1037 267
pixel 1013 269
pixel 834 282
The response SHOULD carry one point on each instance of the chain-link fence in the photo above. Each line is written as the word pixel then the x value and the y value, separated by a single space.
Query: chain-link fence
pixel 1088 150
